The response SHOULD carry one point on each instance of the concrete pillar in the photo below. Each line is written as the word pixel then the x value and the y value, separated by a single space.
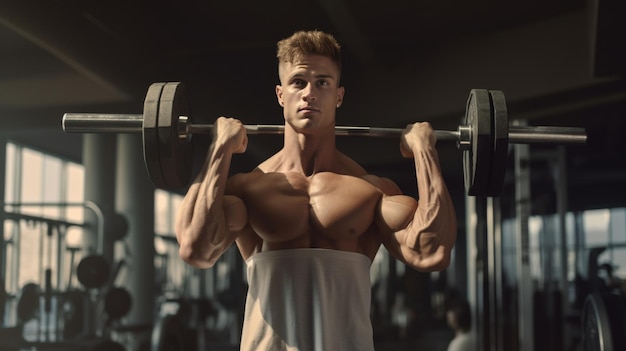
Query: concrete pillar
pixel 3 258
pixel 99 162
pixel 135 199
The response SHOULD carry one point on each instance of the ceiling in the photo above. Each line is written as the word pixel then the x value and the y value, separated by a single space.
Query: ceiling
pixel 403 61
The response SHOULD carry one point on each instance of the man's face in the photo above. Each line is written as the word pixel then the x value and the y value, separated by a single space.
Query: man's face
pixel 309 93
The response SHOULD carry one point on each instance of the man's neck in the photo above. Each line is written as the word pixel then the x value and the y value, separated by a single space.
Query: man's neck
pixel 310 153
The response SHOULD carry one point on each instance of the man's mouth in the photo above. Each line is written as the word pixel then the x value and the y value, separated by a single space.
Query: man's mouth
pixel 307 109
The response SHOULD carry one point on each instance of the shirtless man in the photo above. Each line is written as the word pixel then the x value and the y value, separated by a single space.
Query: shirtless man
pixel 309 220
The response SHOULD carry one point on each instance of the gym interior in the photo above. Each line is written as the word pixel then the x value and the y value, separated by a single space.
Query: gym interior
pixel 88 255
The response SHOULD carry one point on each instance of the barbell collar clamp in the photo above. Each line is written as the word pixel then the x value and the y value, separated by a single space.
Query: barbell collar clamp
pixel 184 136
pixel 464 141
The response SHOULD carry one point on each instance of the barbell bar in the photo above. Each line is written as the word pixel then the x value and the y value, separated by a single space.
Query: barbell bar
pixel 133 123
pixel 167 128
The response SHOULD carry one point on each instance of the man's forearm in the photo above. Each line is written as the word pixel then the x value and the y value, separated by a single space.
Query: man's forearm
pixel 433 229
pixel 201 227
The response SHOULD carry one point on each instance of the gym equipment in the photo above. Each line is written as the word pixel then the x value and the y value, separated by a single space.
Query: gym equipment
pixel 12 338
pixel 117 302
pixel 93 271
pixel 28 302
pixel 3 298
pixel 75 302
pixel 167 128
pixel 604 322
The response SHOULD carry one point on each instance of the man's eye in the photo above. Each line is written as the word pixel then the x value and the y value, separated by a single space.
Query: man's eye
pixel 323 83
pixel 298 83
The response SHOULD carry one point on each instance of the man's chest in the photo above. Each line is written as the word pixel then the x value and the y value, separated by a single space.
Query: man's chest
pixel 334 204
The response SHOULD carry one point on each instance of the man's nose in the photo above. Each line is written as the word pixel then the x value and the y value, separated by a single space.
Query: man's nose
pixel 308 93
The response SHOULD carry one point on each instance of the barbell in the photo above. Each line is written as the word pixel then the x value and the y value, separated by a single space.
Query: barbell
pixel 167 128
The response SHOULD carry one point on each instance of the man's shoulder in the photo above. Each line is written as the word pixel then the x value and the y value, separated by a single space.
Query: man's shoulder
pixel 246 176
pixel 349 166
pixel 353 168
pixel 239 180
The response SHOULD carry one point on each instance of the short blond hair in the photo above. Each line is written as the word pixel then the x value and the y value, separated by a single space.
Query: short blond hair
pixel 312 42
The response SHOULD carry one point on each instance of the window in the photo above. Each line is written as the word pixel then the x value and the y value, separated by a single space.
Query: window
pixel 37 184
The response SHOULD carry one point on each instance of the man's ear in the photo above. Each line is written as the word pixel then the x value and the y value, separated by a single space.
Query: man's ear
pixel 340 93
pixel 279 95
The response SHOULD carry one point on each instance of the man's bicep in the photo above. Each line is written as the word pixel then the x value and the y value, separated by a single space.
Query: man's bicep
pixel 396 215
pixel 236 184
pixel 235 212
pixel 396 212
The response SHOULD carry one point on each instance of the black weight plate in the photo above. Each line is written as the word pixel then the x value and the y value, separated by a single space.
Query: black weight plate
pixel 593 320
pixel 604 323
pixel 175 153
pixel 476 160
pixel 117 302
pixel 117 226
pixel 500 143
pixel 151 155
pixel 93 271
pixel 28 302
